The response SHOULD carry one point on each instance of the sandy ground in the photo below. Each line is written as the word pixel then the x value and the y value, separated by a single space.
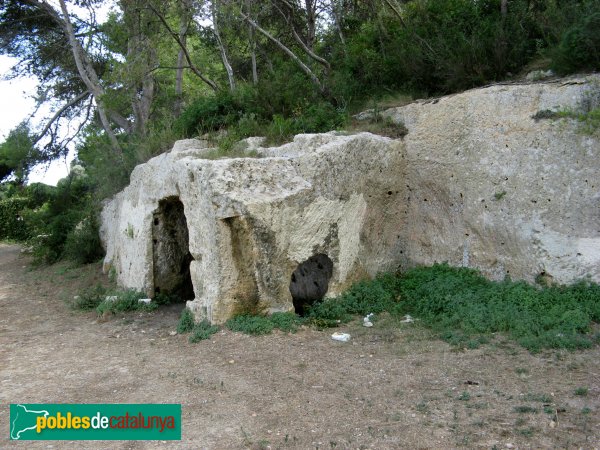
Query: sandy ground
pixel 386 388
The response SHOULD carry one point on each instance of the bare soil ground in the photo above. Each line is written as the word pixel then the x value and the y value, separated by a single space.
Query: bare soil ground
pixel 386 388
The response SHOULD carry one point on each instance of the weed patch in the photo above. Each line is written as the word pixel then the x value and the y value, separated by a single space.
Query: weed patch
pixel 186 322
pixel 202 331
pixel 90 298
pixel 464 308
pixel 123 301
pixel 459 303
pixel 257 325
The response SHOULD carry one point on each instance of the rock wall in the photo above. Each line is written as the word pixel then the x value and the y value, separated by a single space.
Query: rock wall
pixel 488 186
pixel 477 182
pixel 319 212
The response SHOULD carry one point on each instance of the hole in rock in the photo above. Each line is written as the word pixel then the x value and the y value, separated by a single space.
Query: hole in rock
pixel 171 255
pixel 310 282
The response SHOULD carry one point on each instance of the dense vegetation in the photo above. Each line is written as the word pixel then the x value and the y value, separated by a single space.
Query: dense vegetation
pixel 460 306
pixel 155 71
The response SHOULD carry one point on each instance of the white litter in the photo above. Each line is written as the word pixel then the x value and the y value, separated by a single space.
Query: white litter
pixel 408 319
pixel 367 320
pixel 145 300
pixel 111 298
pixel 342 337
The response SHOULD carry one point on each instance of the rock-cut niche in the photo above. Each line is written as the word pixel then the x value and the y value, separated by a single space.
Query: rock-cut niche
pixel 171 254
pixel 310 282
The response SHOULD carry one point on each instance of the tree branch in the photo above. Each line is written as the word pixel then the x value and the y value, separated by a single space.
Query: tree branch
pixel 287 51
pixel 59 113
pixel 183 47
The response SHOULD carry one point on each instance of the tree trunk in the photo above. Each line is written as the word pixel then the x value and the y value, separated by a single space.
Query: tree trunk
pixel 315 80
pixel 88 75
pixel 222 49
pixel 252 41
pixel 184 21
pixel 503 8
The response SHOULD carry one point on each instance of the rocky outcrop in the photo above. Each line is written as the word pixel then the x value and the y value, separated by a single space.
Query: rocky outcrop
pixel 263 234
pixel 477 182
pixel 488 185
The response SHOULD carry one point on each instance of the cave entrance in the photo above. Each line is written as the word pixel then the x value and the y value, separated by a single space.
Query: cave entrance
pixel 171 254
pixel 310 282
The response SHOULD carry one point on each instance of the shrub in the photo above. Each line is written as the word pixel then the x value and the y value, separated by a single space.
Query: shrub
pixel 286 321
pixel 579 47
pixel 125 301
pixel 249 324
pixel 186 322
pixel 89 298
pixel 460 302
pixel 202 331
pixel 82 243
pixel 12 224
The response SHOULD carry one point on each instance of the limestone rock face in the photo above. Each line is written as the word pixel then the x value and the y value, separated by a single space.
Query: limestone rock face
pixel 307 218
pixel 487 186
pixel 477 182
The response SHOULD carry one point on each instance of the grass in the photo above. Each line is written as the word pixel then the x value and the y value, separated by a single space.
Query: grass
pixel 203 330
pixel 526 409
pixel 125 301
pixel 581 391
pixel 258 325
pixel 457 304
pixel 186 322
pixel 107 301
pixel 464 308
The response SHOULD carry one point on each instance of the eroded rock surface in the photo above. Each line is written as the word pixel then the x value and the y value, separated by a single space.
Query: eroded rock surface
pixel 252 223
pixel 477 182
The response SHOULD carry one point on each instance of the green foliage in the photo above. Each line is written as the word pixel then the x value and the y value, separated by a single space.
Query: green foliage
pixel 579 47
pixel 257 325
pixel 374 296
pixel 186 322
pixel 526 409
pixel 464 308
pixel 12 224
pixel 17 154
pixel 203 330
pixel 581 391
pixel 248 324
pixel 460 302
pixel 245 113
pixel 125 301
pixel 66 224
pixel 82 243
pixel 286 321
pixel 90 298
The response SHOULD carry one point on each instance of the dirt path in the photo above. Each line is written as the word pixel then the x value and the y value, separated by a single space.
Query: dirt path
pixel 386 388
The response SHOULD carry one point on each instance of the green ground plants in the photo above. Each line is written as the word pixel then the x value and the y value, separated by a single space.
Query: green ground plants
pixel 464 308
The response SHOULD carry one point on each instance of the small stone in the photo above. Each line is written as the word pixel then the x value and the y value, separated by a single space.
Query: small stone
pixel 231 361
pixel 509 445
pixel 173 333
pixel 552 424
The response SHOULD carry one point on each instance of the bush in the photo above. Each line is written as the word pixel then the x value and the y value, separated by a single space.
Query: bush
pixel 12 224
pixel 257 325
pixel 125 301
pixel 248 324
pixel 203 330
pixel 579 48
pixel 186 322
pixel 459 303
pixel 89 298
pixel 82 244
